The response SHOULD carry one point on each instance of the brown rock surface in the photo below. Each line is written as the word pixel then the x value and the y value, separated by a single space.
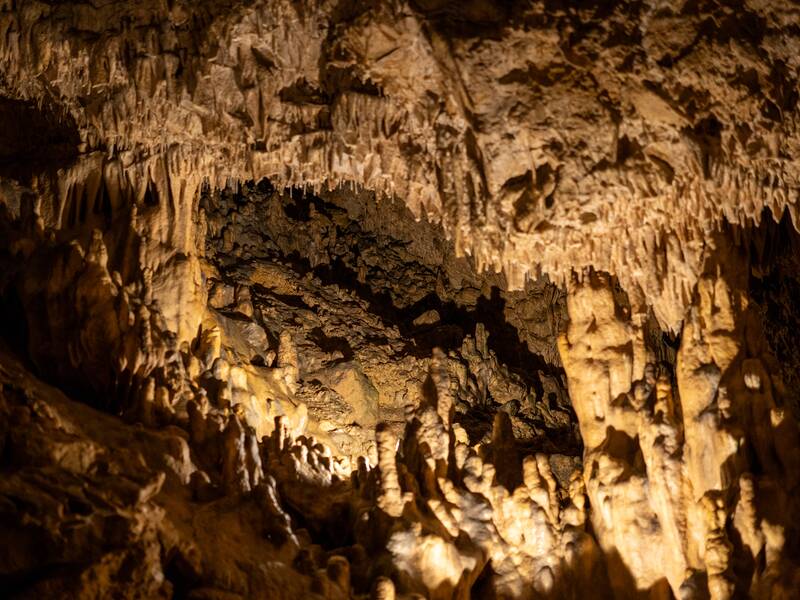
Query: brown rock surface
pixel 390 299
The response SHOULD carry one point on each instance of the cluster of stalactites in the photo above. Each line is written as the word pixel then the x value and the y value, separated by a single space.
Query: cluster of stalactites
pixel 169 107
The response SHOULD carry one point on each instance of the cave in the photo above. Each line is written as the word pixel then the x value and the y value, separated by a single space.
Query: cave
pixel 399 299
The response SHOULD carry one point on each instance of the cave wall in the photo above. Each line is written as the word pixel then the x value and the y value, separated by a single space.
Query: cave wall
pixel 506 313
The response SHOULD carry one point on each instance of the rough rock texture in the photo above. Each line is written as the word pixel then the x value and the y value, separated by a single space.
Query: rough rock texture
pixel 691 467
pixel 94 508
pixel 146 521
pixel 249 346
pixel 365 303
pixel 534 130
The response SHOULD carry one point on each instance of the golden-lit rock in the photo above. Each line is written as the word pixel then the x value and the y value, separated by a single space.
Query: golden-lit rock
pixel 316 299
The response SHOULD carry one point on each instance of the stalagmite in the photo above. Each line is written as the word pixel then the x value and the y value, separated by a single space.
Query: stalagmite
pixel 390 499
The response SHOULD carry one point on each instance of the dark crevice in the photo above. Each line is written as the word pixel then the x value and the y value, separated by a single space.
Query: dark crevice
pixel 706 135
pixel 180 573
pixel 504 338
pixel 774 248
pixel 18 582
pixel 13 325
pixel 35 139
pixel 331 344
pixel 456 321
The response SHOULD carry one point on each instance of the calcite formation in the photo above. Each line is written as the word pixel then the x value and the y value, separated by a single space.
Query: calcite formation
pixel 399 299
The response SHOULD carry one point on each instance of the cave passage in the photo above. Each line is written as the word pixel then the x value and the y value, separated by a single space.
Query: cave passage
pixel 398 300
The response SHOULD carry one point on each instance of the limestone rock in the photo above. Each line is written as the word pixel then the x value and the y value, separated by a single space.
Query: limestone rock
pixel 337 299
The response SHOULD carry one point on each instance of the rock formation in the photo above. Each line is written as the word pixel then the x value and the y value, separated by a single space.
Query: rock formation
pixel 399 299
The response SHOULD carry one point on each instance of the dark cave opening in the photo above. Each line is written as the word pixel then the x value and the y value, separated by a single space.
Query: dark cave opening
pixel 774 251
pixel 334 265
pixel 35 138
pixel 456 321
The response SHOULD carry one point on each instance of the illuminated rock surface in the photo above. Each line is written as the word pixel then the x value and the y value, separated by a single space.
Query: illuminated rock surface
pixel 375 299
